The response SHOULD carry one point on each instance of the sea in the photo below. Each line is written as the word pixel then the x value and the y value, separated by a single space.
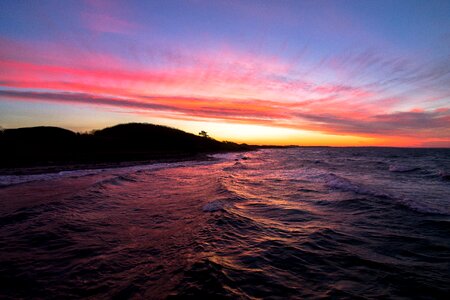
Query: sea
pixel 283 223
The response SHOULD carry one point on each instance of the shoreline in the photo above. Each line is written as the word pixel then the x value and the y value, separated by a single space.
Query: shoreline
pixel 47 149
pixel 75 166
pixel 95 165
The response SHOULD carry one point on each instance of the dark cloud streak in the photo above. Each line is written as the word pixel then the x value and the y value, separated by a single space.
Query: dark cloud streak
pixel 434 124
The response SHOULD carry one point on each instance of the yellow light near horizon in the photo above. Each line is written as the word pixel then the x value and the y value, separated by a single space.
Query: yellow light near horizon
pixel 260 134
pixel 223 131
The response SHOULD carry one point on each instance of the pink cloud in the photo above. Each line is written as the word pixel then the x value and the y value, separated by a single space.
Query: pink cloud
pixel 225 84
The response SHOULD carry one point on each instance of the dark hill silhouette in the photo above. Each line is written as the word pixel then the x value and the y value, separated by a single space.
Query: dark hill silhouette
pixel 44 146
pixel 148 136
pixel 40 132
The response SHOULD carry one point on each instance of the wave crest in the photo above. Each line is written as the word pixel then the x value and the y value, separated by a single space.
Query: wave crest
pixel 402 168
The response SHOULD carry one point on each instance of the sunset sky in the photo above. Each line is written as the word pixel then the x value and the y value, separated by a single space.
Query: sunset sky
pixel 268 72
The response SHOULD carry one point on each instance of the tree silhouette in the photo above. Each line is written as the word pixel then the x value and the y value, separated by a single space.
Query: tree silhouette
pixel 203 134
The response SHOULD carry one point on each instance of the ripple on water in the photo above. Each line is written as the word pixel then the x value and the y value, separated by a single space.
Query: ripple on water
pixel 300 223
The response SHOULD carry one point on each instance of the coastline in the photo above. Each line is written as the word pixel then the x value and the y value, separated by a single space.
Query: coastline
pixel 49 168
pixel 74 166
pixel 46 149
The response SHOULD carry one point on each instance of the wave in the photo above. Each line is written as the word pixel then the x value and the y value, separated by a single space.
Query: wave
pixel 229 156
pixel 117 180
pixel 334 181
pixel 402 168
pixel 217 205
pixel 224 197
pixel 343 184
pixel 236 167
pixel 421 207
pixel 8 180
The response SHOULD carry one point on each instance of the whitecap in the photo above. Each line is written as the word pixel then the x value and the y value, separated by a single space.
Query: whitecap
pixel 343 184
pixel 213 206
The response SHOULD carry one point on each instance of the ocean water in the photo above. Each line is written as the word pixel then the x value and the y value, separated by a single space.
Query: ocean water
pixel 296 223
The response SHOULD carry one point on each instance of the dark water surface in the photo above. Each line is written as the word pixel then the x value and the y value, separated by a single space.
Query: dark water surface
pixel 281 223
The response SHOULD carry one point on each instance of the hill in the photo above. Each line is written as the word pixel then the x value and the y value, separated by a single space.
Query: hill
pixel 46 146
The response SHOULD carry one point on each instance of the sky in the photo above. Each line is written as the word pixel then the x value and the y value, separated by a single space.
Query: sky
pixel 337 73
